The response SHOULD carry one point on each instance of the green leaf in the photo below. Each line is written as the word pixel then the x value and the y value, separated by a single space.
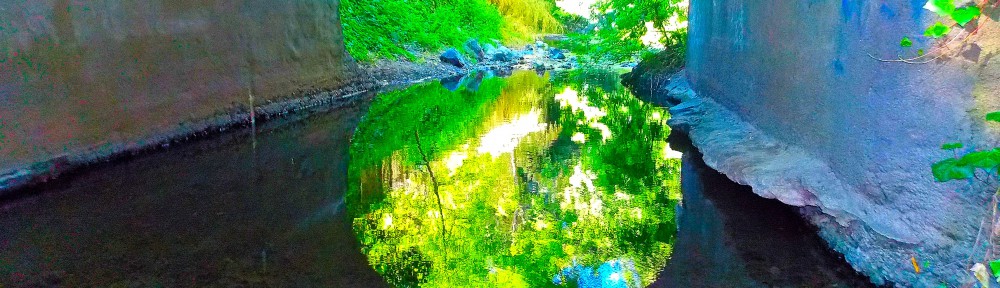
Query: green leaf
pixel 995 116
pixel 937 30
pixel 995 266
pixel 950 169
pixel 920 52
pixel 981 159
pixel 964 15
pixel 952 146
pixel 906 42
pixel 941 7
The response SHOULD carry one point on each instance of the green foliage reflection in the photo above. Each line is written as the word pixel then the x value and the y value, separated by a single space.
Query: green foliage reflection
pixel 544 181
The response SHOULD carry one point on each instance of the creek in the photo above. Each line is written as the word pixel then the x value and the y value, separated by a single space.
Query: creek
pixel 526 180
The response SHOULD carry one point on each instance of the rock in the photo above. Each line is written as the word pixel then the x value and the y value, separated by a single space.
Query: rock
pixel 489 49
pixel 540 44
pixel 500 57
pixel 538 65
pixel 502 71
pixel 555 37
pixel 475 49
pixel 452 83
pixel 474 83
pixel 557 54
pixel 504 54
pixel 451 56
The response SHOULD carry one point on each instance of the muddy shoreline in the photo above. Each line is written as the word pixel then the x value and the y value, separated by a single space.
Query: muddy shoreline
pixel 380 76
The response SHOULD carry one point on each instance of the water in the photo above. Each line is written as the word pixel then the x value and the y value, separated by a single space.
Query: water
pixel 524 181
pixel 213 213
pixel 729 237
pixel 552 179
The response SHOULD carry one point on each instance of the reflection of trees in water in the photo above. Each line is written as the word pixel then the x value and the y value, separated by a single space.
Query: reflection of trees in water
pixel 514 216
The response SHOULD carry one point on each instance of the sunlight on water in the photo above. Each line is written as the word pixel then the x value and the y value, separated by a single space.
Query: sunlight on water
pixel 571 98
pixel 525 199
pixel 505 138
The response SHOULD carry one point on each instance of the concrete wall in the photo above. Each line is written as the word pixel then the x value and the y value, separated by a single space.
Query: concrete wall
pixel 799 73
pixel 84 76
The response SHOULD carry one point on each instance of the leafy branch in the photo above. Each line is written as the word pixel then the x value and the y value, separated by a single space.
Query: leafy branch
pixel 966 167
pixel 962 16
pixel 434 183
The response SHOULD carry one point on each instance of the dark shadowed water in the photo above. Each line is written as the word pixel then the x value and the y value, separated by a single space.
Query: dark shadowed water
pixel 214 213
pixel 525 181
pixel 733 238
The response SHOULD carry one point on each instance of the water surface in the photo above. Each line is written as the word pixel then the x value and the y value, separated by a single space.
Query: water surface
pixel 233 211
pixel 530 180
pixel 526 181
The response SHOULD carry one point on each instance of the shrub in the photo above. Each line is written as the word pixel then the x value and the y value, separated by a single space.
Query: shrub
pixel 525 18
pixel 621 25
pixel 390 28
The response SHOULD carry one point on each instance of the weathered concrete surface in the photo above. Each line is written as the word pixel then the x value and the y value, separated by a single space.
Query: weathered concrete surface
pixel 95 77
pixel 782 96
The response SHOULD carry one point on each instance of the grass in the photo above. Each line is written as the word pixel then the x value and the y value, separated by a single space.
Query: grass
pixel 389 29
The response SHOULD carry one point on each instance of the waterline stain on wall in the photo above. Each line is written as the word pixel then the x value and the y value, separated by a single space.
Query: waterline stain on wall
pixel 82 76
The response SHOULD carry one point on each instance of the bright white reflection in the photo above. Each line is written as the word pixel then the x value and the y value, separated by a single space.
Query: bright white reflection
pixel 671 153
pixel 581 179
pixel 605 131
pixel 386 221
pixel 506 137
pixel 580 194
pixel 455 161
pixel 571 98
pixel 578 7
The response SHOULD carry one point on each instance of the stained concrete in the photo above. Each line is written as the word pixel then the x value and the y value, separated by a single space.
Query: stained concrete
pixel 98 77
pixel 788 97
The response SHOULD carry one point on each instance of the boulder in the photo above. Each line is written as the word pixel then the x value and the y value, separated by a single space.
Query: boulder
pixel 451 56
pixel 475 49
pixel 538 66
pixel 557 54
pixel 504 54
pixel 489 50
